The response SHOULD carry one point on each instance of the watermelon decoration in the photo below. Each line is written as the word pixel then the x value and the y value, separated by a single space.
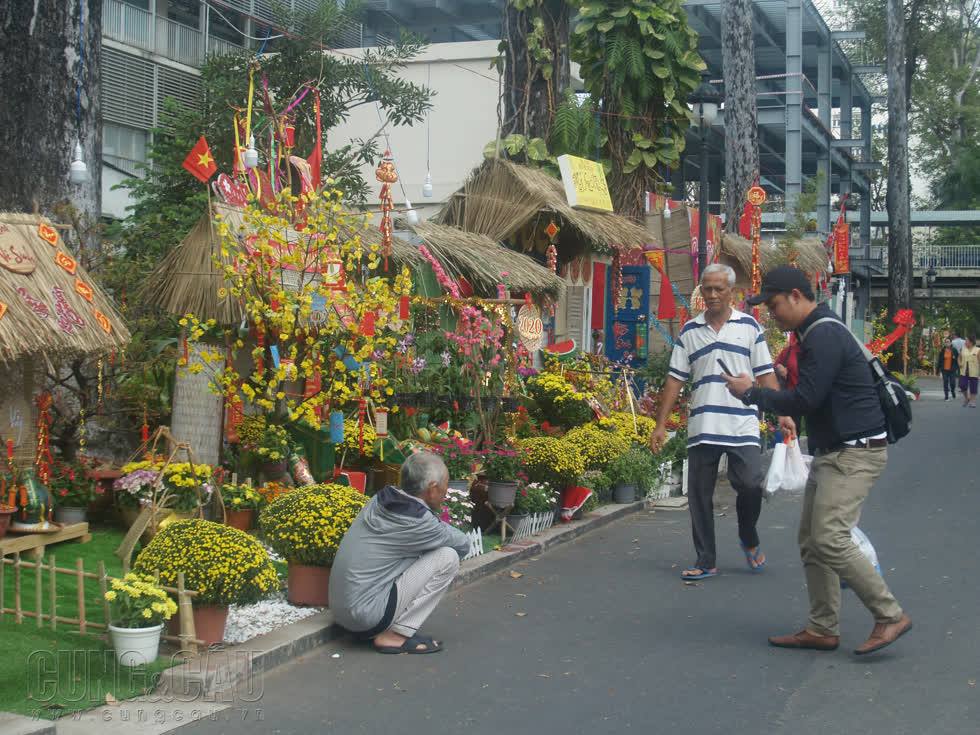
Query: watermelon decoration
pixel 562 350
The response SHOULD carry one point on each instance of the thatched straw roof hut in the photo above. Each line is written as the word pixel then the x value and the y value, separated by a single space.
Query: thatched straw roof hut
pixel 503 200
pixel 810 253
pixel 187 282
pixel 481 261
pixel 49 306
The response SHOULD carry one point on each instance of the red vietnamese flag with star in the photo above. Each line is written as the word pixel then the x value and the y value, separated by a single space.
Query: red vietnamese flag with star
pixel 200 162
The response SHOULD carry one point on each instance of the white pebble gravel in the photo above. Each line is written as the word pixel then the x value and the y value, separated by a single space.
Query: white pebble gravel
pixel 248 621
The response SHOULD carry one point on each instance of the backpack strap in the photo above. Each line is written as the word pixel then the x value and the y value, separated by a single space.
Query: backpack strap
pixel 876 366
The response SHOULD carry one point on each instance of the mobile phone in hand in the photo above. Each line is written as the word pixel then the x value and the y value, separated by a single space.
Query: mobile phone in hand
pixel 724 368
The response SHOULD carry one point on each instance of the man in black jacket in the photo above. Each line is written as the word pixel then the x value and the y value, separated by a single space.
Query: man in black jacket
pixel 847 435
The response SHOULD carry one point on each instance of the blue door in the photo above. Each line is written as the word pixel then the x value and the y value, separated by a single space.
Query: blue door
pixel 626 327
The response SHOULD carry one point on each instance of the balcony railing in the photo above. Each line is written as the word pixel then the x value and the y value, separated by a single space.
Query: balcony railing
pixel 940 257
pixel 136 27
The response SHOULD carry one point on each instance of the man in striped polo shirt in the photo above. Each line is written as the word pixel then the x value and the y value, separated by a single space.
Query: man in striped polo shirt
pixel 718 422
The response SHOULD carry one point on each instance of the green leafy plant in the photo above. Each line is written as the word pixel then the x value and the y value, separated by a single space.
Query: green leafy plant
pixel 503 462
pixel 240 497
pixel 138 601
pixel 634 467
pixel 70 486
pixel 535 497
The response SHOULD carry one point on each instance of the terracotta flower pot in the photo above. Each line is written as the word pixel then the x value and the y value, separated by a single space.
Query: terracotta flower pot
pixel 5 514
pixel 240 519
pixel 308 585
pixel 209 623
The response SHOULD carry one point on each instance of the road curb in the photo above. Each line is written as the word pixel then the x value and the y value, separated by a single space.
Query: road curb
pixel 218 669
pixel 11 724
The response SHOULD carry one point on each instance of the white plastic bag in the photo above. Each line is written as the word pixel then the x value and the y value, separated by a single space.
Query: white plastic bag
pixel 864 543
pixel 861 540
pixel 789 470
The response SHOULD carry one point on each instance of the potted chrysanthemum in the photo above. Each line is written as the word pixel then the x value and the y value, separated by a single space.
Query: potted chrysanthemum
pixel 139 608
pixel 224 565
pixel 305 527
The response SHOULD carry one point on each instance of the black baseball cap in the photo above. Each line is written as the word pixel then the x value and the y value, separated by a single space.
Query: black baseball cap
pixel 781 279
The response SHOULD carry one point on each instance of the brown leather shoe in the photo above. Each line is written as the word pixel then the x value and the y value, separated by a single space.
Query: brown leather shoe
pixel 806 639
pixel 884 634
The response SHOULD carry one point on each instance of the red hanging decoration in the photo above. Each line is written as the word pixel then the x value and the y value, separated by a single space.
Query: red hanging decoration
pixel 367 324
pixel 361 411
pixel 617 277
pixel 387 176
pixel 44 459
pixel 403 307
pixel 552 257
pixel 145 430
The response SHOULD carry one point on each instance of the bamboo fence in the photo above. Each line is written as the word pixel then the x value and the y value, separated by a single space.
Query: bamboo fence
pixel 187 639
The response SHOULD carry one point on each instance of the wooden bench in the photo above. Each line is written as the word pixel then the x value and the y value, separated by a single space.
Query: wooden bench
pixel 35 543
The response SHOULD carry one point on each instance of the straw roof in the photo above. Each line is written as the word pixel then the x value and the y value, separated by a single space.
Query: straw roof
pixel 500 197
pixel 811 254
pixel 481 260
pixel 45 313
pixel 187 282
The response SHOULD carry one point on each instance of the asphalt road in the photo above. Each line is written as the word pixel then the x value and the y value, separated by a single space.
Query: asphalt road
pixel 601 636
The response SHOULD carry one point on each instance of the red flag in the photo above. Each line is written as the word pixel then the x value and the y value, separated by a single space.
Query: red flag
pixel 314 160
pixel 200 162
pixel 666 308
pixel 745 222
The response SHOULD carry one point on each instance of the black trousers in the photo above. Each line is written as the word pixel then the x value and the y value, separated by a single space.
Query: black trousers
pixel 745 474
pixel 949 382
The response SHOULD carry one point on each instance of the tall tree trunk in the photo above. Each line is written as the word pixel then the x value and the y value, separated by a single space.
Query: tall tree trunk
pixel 532 92
pixel 741 120
pixel 897 196
pixel 43 115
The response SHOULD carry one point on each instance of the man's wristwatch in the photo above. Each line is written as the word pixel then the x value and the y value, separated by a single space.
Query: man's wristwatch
pixel 748 397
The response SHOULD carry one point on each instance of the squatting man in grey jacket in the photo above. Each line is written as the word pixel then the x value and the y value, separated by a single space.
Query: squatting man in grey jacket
pixel 397 561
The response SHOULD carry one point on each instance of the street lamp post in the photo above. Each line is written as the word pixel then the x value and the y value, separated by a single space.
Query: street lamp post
pixel 930 280
pixel 705 100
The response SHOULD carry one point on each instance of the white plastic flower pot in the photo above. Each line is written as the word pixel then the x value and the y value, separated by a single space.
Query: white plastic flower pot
pixel 136 646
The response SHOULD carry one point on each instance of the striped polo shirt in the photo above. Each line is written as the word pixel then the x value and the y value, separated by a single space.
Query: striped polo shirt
pixel 718 417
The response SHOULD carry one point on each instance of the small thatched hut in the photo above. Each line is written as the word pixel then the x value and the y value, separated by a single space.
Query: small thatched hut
pixel 481 261
pixel 809 254
pixel 515 205
pixel 50 310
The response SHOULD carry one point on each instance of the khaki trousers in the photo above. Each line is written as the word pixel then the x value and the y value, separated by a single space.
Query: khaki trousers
pixel 835 492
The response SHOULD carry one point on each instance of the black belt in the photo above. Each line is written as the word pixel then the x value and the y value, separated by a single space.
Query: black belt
pixel 859 444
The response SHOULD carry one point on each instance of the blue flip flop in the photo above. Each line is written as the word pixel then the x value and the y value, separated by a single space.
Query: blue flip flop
pixel 750 557
pixel 705 574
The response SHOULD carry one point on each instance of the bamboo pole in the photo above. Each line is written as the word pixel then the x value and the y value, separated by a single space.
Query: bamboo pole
pixel 103 589
pixel 20 615
pixel 38 597
pixel 81 595
pixel 3 565
pixel 187 632
pixel 54 597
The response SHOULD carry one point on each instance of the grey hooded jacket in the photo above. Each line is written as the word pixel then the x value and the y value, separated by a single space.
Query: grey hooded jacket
pixel 389 534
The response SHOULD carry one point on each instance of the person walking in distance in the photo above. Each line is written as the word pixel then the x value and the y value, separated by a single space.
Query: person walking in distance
pixel 969 371
pixel 848 437
pixel 948 365
pixel 719 424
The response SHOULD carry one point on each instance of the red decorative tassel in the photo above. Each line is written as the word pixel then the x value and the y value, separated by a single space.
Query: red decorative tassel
pixel 361 410
pixel 145 433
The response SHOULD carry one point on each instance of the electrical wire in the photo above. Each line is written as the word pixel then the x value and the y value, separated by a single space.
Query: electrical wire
pixel 242 33
pixel 384 123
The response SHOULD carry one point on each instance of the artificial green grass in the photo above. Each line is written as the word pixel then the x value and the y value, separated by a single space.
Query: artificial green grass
pixel 49 673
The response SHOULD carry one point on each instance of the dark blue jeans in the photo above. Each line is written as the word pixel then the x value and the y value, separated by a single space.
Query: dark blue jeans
pixel 949 383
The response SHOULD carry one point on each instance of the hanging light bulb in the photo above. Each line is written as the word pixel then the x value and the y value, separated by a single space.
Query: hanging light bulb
pixel 667 209
pixel 427 186
pixel 251 155
pixel 411 215
pixel 79 171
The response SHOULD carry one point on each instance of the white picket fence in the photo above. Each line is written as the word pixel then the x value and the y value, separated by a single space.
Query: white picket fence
pixel 534 523
pixel 663 489
pixel 476 543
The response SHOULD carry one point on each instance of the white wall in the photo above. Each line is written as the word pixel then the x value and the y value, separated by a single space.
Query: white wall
pixel 114 203
pixel 462 120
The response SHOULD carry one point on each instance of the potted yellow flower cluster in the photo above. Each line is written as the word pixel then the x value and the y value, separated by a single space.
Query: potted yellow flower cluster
pixel 552 460
pixel 139 607
pixel 224 565
pixel 190 485
pixel 597 446
pixel 273 450
pixel 241 502
pixel 305 527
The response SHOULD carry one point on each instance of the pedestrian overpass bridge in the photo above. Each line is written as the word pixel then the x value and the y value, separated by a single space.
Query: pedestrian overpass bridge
pixel 955 270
